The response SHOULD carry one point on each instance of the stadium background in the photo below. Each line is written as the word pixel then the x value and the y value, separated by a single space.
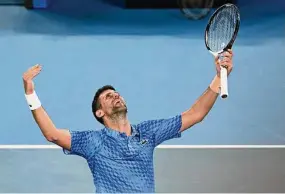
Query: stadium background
pixel 158 62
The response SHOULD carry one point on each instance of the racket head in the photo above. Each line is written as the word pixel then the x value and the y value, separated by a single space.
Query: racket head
pixel 222 28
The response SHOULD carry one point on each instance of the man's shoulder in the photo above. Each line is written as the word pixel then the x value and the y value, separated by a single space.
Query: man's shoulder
pixel 156 121
pixel 95 131
pixel 86 134
pixel 147 123
pixel 146 127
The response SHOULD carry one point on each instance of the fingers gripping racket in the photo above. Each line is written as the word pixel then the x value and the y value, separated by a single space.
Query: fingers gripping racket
pixel 220 34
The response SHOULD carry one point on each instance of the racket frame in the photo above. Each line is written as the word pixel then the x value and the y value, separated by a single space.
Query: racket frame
pixel 224 74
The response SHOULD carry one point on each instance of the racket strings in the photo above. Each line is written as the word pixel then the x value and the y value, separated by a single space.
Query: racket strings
pixel 222 29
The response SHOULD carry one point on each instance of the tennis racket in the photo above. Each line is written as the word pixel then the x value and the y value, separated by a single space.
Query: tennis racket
pixel 220 34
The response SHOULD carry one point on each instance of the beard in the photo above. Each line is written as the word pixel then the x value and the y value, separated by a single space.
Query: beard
pixel 119 110
pixel 118 113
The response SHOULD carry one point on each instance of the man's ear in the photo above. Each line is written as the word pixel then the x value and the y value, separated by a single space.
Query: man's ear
pixel 99 113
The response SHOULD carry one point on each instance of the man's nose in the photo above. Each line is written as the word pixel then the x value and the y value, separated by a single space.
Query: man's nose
pixel 116 95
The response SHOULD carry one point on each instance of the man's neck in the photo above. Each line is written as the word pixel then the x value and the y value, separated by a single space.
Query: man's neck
pixel 119 123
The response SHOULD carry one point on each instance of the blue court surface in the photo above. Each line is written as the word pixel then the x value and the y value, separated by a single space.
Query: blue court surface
pixel 157 60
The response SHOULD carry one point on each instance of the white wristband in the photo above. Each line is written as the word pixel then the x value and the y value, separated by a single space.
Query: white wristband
pixel 33 101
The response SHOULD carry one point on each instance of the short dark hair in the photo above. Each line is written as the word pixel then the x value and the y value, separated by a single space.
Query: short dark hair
pixel 96 102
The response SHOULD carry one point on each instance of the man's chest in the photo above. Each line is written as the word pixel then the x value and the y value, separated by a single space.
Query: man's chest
pixel 127 148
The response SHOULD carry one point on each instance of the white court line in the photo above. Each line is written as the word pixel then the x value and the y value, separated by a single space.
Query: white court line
pixel 218 146
pixel 160 146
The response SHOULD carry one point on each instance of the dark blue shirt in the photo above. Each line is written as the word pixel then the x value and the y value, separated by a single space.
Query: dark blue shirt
pixel 121 163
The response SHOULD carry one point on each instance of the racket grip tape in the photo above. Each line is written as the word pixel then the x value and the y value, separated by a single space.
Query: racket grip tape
pixel 224 83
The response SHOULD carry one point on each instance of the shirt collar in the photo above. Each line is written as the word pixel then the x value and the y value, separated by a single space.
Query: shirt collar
pixel 116 134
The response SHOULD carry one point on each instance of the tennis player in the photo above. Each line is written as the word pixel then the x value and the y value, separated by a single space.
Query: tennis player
pixel 120 155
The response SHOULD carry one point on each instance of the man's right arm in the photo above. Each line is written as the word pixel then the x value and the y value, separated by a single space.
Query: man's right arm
pixel 61 137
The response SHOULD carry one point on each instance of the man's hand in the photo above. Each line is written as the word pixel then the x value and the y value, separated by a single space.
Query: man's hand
pixel 28 77
pixel 226 62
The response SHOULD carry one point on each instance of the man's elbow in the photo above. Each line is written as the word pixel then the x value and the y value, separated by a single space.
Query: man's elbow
pixel 51 137
pixel 189 119
pixel 200 117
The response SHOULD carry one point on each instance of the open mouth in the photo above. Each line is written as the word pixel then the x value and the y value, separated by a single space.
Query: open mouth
pixel 117 102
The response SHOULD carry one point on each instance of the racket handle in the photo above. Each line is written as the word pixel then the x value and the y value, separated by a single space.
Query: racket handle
pixel 224 83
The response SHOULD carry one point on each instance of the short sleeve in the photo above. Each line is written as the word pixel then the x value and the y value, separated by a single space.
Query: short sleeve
pixel 84 143
pixel 162 129
pixel 167 129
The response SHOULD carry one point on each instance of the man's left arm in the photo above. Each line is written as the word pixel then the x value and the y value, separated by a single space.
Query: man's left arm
pixel 206 101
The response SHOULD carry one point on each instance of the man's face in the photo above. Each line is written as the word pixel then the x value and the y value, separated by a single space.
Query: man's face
pixel 112 103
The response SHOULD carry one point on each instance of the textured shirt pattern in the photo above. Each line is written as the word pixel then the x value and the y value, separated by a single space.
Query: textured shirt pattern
pixel 120 163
